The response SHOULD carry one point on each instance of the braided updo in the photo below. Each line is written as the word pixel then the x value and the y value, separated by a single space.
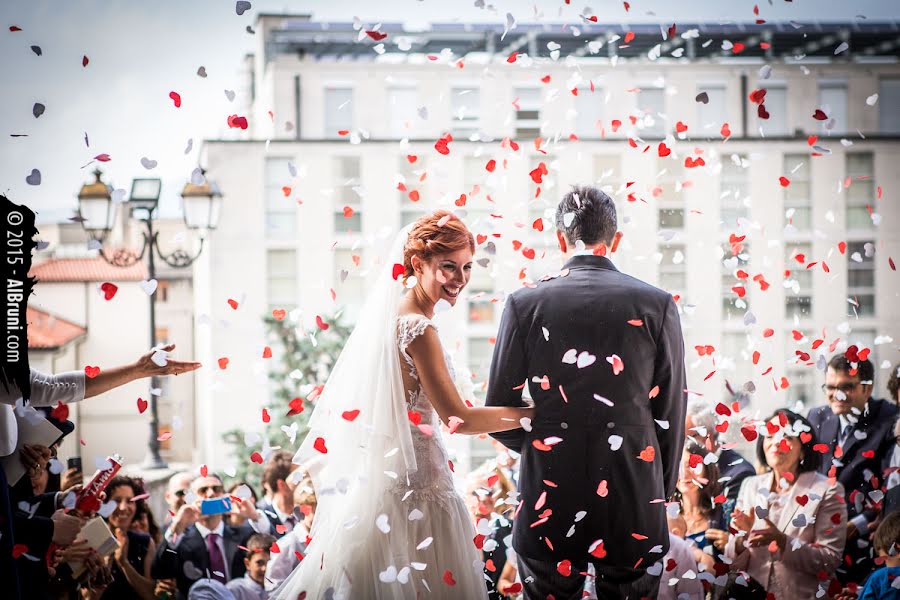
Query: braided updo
pixel 440 232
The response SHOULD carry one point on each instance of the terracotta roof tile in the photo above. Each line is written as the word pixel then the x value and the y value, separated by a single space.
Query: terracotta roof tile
pixel 47 331
pixel 86 269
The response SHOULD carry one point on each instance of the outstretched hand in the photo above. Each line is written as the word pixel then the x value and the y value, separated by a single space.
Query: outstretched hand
pixel 147 368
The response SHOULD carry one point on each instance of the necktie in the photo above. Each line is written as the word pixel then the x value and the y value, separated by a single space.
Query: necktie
pixel 845 433
pixel 216 560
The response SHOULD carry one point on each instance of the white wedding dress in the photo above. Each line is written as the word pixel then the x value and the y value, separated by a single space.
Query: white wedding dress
pixel 412 538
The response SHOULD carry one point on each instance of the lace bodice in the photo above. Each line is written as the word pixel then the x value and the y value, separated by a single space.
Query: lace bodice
pixel 432 479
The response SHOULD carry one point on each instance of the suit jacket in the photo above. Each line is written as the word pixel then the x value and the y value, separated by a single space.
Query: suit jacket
pixel 169 563
pixel 630 441
pixel 862 458
pixel 815 540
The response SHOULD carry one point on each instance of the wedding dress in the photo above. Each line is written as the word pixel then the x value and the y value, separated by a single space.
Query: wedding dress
pixel 389 523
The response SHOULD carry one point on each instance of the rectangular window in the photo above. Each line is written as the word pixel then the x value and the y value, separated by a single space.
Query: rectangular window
pixel 481 308
pixel 481 351
pixel 162 290
pixel 281 278
pixel 411 189
pixel 797 200
pixel 803 385
pixel 735 258
pixel 651 103
pixel 860 170
pixel 281 216
pixel 776 106
pixel 735 356
pixel 528 113
pixel 347 204
pixel 714 113
pixel 403 112
pixel 889 105
pixel 672 269
pixel 588 112
pixel 798 292
pixel 833 102
pixel 349 283
pixel 861 278
pixel 338 111
pixel 735 191
pixel 465 108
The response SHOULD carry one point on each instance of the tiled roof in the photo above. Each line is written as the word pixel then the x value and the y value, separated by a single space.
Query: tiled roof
pixel 46 331
pixel 86 269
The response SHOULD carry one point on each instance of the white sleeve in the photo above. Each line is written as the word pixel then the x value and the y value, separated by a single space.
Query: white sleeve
pixel 49 390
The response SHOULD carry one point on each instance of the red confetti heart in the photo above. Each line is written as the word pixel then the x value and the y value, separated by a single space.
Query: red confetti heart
pixel 491 165
pixel 233 304
pixel 636 322
pixel 784 181
pixel 142 405
pixel 267 352
pixel 350 415
pixel 204 471
pixel 412 158
pixel 725 131
pixel 397 271
pixel 647 454
pixel 414 417
pixel 821 448
pixel 512 57
pixel 348 212
pixel 319 445
pixel 279 314
pixel 236 122
pixel 758 96
pixel 265 416
pixel 538 224
pixel 819 115
pixel 597 550
pixel 257 458
pixel 603 489
pixel 564 568
pixel 18 550
pixel 448 578
pixel 274 549
pixel 223 363
pixel 109 290
pixel 91 372
pixel 176 99
pixel 680 127
pixel 663 150
pixel 103 157
pixel 60 412
pixel 376 35
pixel 85 60
pixel 761 112
pixel 461 201
pixel 768 332
pixel 869 454
pixel 321 324
pixel 802 500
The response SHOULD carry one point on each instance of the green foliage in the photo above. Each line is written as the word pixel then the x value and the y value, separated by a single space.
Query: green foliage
pixel 298 366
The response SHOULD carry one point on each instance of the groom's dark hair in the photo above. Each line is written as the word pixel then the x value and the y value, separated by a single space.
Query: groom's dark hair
pixel 594 216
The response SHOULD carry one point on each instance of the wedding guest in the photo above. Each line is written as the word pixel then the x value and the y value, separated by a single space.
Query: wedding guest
pixel 252 585
pixel 197 545
pixel 145 522
pixel 179 485
pixel 209 589
pixel 858 433
pixel 242 490
pixel 892 484
pixel 697 489
pixel 679 581
pixel 282 563
pixel 790 520
pixel 882 584
pixel 277 501
pixel 491 502
pixel 700 425
pixel 893 384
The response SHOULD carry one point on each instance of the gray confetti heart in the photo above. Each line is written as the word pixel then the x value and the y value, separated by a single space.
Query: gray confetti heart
pixel 241 7
pixel 702 97
pixel 190 145
pixel 765 71
pixel 37 50
pixel 43 245
pixel 230 95
pixel 38 109
pixel 34 178
pixel 250 30
pixel 201 72
pixel 292 169
pixel 148 163
pixel 197 177
pixel 761 513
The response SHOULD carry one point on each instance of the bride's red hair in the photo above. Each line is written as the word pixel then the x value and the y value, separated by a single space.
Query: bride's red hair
pixel 433 234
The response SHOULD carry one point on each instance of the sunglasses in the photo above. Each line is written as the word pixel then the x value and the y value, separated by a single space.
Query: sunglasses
pixel 216 489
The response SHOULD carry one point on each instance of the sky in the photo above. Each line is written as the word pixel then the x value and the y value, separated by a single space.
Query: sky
pixel 139 52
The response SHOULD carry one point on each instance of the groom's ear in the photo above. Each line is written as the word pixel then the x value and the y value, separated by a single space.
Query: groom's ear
pixel 563 245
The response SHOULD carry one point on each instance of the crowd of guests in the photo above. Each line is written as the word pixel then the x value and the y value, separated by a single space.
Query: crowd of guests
pixel 812 513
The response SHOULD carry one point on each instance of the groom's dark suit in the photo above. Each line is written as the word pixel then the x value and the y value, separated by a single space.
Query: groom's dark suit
pixel 634 445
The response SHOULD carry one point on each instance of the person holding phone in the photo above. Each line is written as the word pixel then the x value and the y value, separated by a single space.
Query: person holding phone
pixel 199 544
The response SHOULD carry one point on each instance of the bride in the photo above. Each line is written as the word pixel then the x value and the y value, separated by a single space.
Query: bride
pixel 389 522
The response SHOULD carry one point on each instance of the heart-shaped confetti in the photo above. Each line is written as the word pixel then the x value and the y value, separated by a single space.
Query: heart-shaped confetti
pixel 34 178
pixel 149 286
pixel 148 163
pixel 241 7
pixel 109 290
pixel 141 405
pixel 319 445
pixel 91 372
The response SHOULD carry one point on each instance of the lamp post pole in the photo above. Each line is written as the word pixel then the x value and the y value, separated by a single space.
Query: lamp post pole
pixel 153 460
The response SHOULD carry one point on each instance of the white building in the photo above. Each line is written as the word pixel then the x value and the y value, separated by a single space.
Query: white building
pixel 341 146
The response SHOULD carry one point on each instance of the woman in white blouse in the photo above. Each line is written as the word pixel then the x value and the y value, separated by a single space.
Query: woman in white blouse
pixel 790 520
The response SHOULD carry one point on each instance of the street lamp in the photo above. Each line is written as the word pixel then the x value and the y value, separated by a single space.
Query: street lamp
pixel 201 205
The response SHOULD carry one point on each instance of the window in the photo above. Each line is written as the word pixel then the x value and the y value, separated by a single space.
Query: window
pixel 713 114
pixel 281 218
pixel 338 111
pixel 833 102
pixel 588 112
pixel 672 269
pixel 861 278
pixel 776 106
pixel 860 171
pixel 735 191
pixel 162 290
pixel 349 283
pixel 403 111
pixel 528 113
pixel 735 356
pixel 465 106
pixel 410 186
pixel 798 284
pixel 281 278
pixel 650 103
pixel 481 352
pixel 889 105
pixel 481 308
pixel 478 207
pixel 347 205
pixel 734 258
pixel 797 200
pixel 803 384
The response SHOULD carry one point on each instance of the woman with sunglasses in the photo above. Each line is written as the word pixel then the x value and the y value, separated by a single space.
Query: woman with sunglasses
pixel 790 520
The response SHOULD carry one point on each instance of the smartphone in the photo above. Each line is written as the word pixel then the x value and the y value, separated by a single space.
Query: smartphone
pixel 215 506
pixel 74 463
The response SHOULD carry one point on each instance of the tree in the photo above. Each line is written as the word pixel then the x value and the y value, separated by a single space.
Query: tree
pixel 303 361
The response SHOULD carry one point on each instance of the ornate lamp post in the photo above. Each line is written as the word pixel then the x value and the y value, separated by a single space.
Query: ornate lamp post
pixel 201 205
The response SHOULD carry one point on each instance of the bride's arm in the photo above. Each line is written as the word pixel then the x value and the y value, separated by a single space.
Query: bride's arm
pixel 428 355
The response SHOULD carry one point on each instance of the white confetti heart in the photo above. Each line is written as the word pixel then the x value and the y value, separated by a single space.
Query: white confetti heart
pixel 615 442
pixel 871 100
pixel 546 334
pixel 159 358
pixel 525 422
pixel 389 575
pixel 107 508
pixel 580 515
pixel 382 524
pixel 416 515
pixel 425 543
pixel 403 575
pixel 149 286
pixel 655 569
pixel 570 357
pixel 586 359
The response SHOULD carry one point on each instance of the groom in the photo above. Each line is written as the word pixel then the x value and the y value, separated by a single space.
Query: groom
pixel 603 357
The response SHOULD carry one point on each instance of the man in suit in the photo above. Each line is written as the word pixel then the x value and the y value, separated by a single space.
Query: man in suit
pixel 603 357
pixel 859 432
pixel 197 546
pixel 278 503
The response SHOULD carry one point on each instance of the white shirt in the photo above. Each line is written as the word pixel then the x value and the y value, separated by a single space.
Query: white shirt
pixel 247 589
pixel 46 390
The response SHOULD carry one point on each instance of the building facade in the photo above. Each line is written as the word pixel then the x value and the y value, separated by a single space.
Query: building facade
pixel 770 216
